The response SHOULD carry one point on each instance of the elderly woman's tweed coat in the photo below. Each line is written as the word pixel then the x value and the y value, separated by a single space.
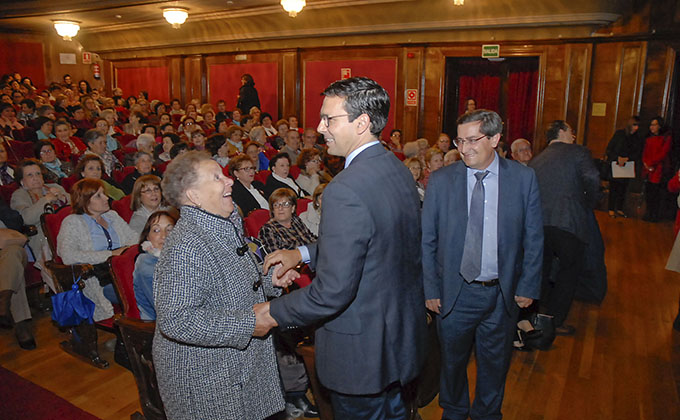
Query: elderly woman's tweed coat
pixel 207 362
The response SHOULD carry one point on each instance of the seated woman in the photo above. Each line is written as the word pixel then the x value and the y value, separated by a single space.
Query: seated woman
pixel 312 217
pixel 64 143
pixel 246 192
pixel 44 128
pixel 96 145
pixel 143 166
pixel 6 170
pixel 234 140
pixel 56 169
pixel 156 229
pixel 198 140
pixel 309 162
pixel 9 124
pixel 219 149
pixel 162 151
pixel 31 200
pixel 434 159
pixel 135 124
pixel 91 235
pixel 260 161
pixel 101 125
pixel 413 165
pixel 147 198
pixel 280 177
pixel 90 166
pixel 284 230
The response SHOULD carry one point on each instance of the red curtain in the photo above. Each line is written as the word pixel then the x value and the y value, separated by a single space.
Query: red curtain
pixel 154 80
pixel 24 57
pixel 224 81
pixel 484 89
pixel 320 74
pixel 522 91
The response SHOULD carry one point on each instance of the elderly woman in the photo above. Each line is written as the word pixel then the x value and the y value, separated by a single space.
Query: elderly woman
pixel 246 192
pixel 143 166
pixel 451 156
pixel 156 229
pixel 65 144
pixel 312 217
pixel 6 170
pixel 90 166
pixel 96 145
pixel 56 169
pixel 44 128
pixel 434 159
pixel 147 198
pixel 91 235
pixel 135 124
pixel 309 162
pixel 33 199
pixel 144 143
pixel 413 164
pixel 234 139
pixel 284 230
pixel 280 177
pixel 206 282
pixel 219 149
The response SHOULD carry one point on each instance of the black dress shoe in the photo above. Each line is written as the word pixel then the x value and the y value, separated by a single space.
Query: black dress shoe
pixel 24 335
pixel 306 406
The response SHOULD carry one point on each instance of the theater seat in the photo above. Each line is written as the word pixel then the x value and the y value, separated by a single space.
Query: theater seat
pixel 262 176
pixel 302 205
pixel 255 220
pixel 6 191
pixel 122 266
pixel 69 182
pixel 294 171
pixel 122 207
pixel 119 175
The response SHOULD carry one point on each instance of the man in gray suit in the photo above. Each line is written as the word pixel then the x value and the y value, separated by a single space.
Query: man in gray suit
pixel 482 254
pixel 570 187
pixel 368 294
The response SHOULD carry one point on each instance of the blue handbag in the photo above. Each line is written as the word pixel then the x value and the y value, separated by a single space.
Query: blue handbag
pixel 72 307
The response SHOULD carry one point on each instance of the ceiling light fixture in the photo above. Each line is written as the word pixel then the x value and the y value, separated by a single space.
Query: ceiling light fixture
pixel 293 7
pixel 175 16
pixel 66 29
pixel 458 2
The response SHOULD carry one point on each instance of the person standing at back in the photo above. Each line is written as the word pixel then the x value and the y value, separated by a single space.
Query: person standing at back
pixel 247 94
pixel 367 297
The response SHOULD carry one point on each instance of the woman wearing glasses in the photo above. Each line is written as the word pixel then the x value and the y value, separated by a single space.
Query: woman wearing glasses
pixel 310 176
pixel 246 192
pixel 284 230
pixel 147 198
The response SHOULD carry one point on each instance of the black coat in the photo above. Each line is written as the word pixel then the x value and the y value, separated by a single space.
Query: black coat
pixel 247 98
pixel 243 198
pixel 274 184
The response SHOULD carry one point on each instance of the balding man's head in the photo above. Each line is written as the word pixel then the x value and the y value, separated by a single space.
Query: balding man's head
pixel 520 150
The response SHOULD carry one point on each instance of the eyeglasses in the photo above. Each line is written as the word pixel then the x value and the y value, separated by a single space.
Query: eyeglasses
pixel 470 142
pixel 150 190
pixel 326 120
pixel 46 151
pixel 285 205
pixel 248 168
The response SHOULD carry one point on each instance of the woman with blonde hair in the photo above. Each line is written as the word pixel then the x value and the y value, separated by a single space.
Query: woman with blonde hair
pixel 147 198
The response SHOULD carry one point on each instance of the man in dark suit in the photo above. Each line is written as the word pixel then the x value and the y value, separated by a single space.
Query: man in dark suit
pixel 570 186
pixel 368 293
pixel 482 253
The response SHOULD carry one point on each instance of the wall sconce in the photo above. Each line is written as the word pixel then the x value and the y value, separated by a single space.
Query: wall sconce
pixel 175 16
pixel 458 2
pixel 66 29
pixel 293 7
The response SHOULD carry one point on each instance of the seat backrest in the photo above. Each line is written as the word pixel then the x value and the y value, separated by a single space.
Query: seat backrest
pixel 262 176
pixel 255 220
pixel 69 182
pixel 119 175
pixel 122 207
pixel 124 139
pixel 294 171
pixel 18 150
pixel 138 337
pixel 6 191
pixel 122 266
pixel 51 223
pixel 302 205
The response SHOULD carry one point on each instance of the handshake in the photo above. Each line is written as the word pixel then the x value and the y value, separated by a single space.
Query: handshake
pixel 283 261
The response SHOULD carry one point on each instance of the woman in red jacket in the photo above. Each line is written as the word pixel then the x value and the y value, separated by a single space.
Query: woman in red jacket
pixel 654 159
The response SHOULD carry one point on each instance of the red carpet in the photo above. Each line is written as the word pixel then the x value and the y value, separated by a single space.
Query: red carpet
pixel 22 399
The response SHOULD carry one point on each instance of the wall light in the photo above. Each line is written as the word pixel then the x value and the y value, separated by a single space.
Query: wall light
pixel 458 2
pixel 175 16
pixel 293 7
pixel 66 29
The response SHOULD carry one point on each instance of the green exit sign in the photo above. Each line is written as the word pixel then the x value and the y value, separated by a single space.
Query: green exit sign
pixel 491 51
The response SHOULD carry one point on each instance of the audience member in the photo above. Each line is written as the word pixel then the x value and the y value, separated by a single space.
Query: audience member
pixel 143 166
pixel 219 149
pixel 6 170
pixel 312 216
pixel 309 162
pixel 96 145
pixel 434 159
pixel 451 156
pixel 247 193
pixel 413 164
pixel 520 151
pixel 44 128
pixel 65 144
pixel 252 149
pixel 90 166
pixel 292 145
pixel 147 198
pixel 284 230
pixel 56 169
pixel 280 177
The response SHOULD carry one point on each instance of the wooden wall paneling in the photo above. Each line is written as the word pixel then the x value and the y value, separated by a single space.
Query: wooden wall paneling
pixel 142 64
pixel 411 76
pixel 554 102
pixel 666 103
pixel 659 69
pixel 433 94
pixel 289 87
pixel 107 75
pixel 632 74
pixel 605 88
pixel 176 78
pixel 192 78
pixel 578 76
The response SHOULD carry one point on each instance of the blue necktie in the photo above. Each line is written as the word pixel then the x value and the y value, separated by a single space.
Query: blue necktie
pixel 471 264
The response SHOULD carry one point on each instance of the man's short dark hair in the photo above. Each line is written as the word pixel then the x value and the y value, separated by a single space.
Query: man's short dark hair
pixel 554 128
pixel 363 96
pixel 30 103
pixel 491 122
pixel 164 126
pixel 44 109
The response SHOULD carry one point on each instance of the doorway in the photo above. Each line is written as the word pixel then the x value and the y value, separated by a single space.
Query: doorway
pixel 508 86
